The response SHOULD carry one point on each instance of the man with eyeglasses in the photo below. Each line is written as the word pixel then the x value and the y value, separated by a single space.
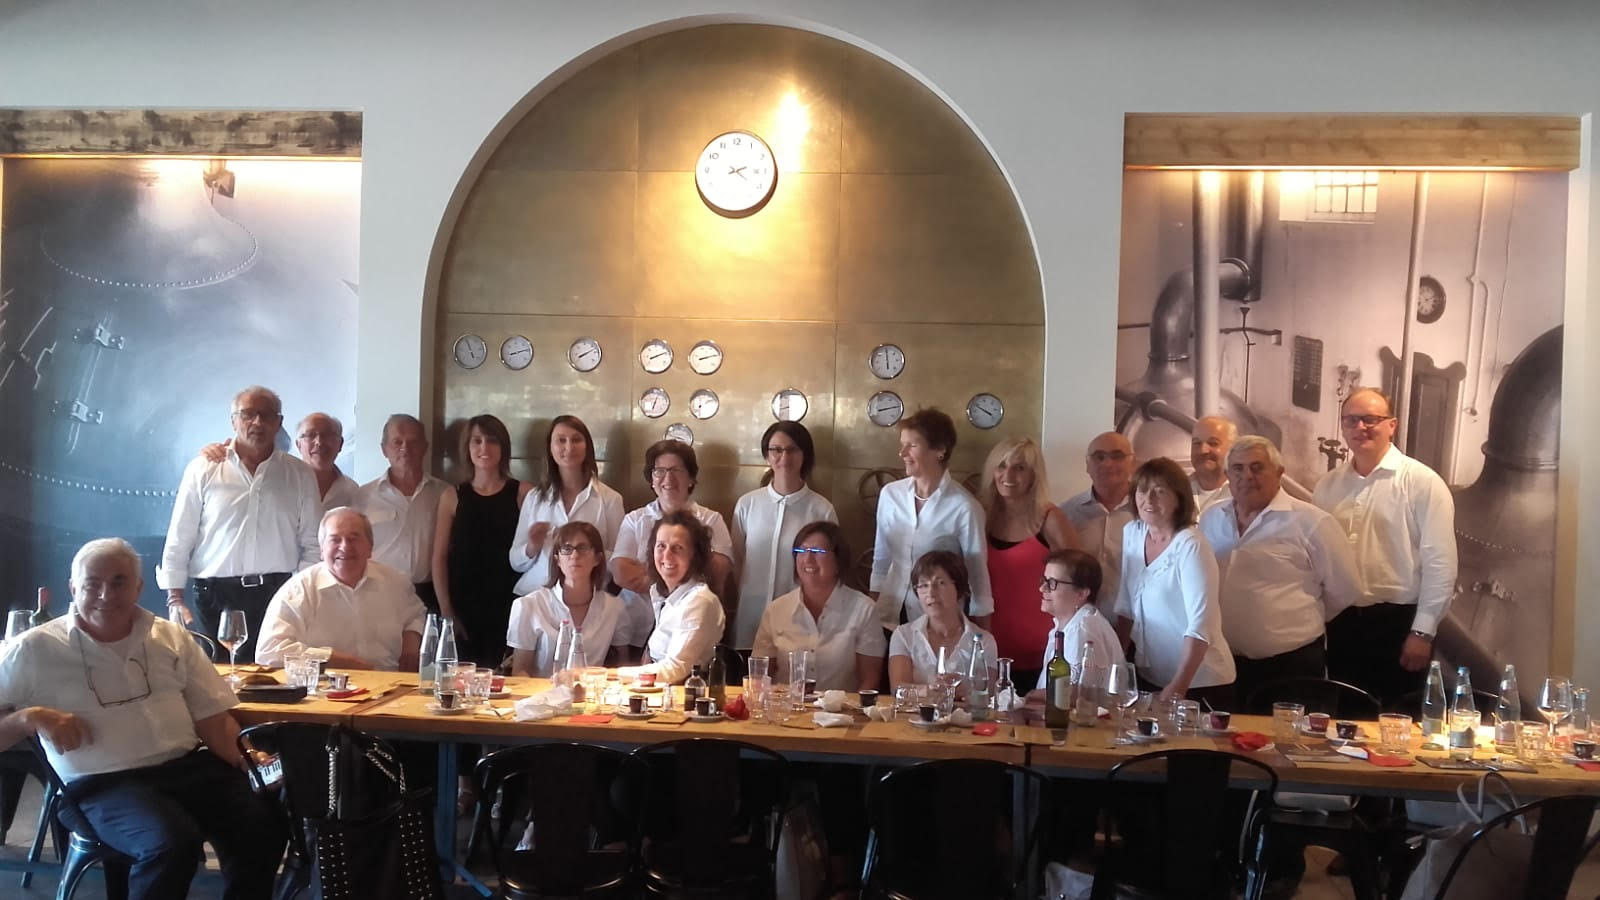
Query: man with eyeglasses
pixel 1099 513
pixel 1399 519
pixel 135 719
pixel 241 525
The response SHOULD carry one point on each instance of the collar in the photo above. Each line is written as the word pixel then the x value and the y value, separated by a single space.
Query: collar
pixel 142 620
pixel 1392 460
pixel 775 497
pixel 324 578
pixel 421 483
pixel 679 592
pixel 1092 498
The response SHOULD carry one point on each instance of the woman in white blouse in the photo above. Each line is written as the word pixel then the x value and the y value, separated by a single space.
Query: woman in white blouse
pixel 822 615
pixel 922 512
pixel 1168 604
pixel 574 593
pixel 571 491
pixel 1067 593
pixel 941 582
pixel 690 621
pixel 766 521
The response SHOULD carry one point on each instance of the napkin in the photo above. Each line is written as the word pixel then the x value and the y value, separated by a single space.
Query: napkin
pixel 1251 741
pixel 832 701
pixel 556 701
pixel 832 719
pixel 1378 759
pixel 879 713
pixel 960 718
pixel 1588 765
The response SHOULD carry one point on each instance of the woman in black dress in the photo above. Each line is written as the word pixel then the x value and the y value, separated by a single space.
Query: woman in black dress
pixel 477 522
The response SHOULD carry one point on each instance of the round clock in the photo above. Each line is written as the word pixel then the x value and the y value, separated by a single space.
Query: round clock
pixel 654 403
pixel 885 408
pixel 736 174
pixel 703 404
pixel 516 352
pixel 790 405
pixel 678 431
pixel 887 361
pixel 584 354
pixel 1430 300
pixel 470 351
pixel 985 410
pixel 705 358
pixel 656 356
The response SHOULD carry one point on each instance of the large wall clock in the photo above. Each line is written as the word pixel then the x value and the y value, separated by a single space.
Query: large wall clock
pixel 736 174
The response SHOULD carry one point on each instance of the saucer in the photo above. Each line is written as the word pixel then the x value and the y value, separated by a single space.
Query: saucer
pixel 714 717
pixel 935 725
pixel 652 689
pixel 1220 732
pixel 637 716
pixel 438 710
pixel 1138 738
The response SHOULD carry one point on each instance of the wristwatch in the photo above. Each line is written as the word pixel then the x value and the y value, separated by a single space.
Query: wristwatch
pixel 1422 634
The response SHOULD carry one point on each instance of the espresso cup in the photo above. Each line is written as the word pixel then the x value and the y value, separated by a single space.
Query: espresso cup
pixel 338 681
pixel 869 699
pixel 926 711
pixel 636 704
pixel 1220 720
pixel 645 679
pixel 1583 749
pixel 447 698
pixel 497 684
pixel 1317 723
pixel 704 706
pixel 1149 726
pixel 1347 731
pixel 811 686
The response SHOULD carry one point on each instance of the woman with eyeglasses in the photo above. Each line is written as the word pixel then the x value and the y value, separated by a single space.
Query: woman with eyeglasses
pixel 823 615
pixel 574 593
pixel 942 586
pixel 670 468
pixel 571 491
pixel 767 520
pixel 690 622
pixel 1068 592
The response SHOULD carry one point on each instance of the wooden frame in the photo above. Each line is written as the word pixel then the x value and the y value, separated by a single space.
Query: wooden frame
pixel 297 134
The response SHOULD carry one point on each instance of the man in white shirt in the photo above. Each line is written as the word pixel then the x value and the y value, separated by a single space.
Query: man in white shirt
pixel 1286 569
pixel 136 721
pixel 1399 519
pixel 1209 443
pixel 320 438
pixel 243 524
pixel 402 505
pixel 1099 513
pixel 365 611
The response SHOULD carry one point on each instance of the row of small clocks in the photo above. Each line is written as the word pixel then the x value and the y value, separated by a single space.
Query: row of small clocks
pixel 471 351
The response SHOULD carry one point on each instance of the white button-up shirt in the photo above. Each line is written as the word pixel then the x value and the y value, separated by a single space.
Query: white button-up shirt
pixel 1087 624
pixel 848 626
pixel 368 620
pixel 1287 574
pixel 633 542
pixel 911 640
pixel 536 625
pixel 402 527
pixel 343 492
pixel 52 665
pixel 1100 533
pixel 1400 523
pixel 764 525
pixel 1172 598
pixel 229 522
pixel 688 626
pixel 952 520
pixel 596 504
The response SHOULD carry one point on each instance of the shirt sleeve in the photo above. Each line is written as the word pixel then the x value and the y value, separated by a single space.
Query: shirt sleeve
pixel 284 626
pixel 413 615
pixel 183 531
pixel 16 676
pixel 622 632
pixel 310 520
pixel 899 642
pixel 1435 513
pixel 1335 566
pixel 628 540
pixel 765 644
pixel 738 532
pixel 1124 606
pixel 205 692
pixel 699 629
pixel 975 550
pixel 520 632
pixel 610 523
pixel 520 560
pixel 882 556
pixel 721 542
pixel 870 639
pixel 1197 582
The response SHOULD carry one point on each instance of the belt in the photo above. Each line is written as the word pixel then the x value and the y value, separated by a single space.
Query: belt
pixel 248 581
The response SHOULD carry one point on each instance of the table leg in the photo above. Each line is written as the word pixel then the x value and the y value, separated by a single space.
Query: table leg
pixel 444 822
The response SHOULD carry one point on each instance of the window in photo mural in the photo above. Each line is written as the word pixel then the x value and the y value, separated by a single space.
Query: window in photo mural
pixel 1308 310
pixel 137 295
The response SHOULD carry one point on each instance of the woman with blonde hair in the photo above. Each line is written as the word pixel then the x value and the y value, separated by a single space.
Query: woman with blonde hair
pixel 1024 528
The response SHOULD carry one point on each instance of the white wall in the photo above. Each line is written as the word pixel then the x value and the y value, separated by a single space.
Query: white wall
pixel 1045 83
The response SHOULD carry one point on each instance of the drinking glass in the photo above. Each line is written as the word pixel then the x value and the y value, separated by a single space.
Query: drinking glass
pixel 907 697
pixel 233 631
pixel 1286 718
pixel 802 665
pixel 1555 702
pixel 1533 744
pixel 482 685
pixel 594 687
pixel 1122 687
pixel 757 685
pixel 779 707
pixel 1394 732
pixel 16 623
pixel 1464 733
pixel 1189 717
pixel 463 681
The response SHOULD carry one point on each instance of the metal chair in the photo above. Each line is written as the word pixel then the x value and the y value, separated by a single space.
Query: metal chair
pixel 84 848
pixel 206 643
pixel 957 828
pixel 1561 828
pixel 16 766
pixel 301 748
pixel 1336 698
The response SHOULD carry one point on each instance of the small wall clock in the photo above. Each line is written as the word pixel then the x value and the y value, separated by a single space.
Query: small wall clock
pixel 705 358
pixel 736 174
pixel 703 404
pixel 885 408
pixel 470 351
pixel 584 355
pixel 516 352
pixel 985 410
pixel 655 356
pixel 887 361
pixel 790 405
pixel 654 403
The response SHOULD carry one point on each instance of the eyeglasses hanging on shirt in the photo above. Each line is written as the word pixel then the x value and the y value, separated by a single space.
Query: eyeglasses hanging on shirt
pixel 88 674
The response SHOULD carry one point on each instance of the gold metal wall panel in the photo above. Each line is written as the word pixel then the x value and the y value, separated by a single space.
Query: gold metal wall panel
pixel 884 133
pixel 935 248
pixel 777 264
pixel 558 242
pixel 590 122
pixel 780 83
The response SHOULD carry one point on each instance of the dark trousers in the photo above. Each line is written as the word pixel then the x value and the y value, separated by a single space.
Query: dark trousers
pixel 1310 661
pixel 160 816
pixel 426 594
pixel 1364 645
pixel 213 595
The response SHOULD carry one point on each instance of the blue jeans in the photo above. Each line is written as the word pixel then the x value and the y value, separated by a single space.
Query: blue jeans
pixel 161 815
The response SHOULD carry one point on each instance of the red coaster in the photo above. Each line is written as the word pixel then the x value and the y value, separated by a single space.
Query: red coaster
pixel 590 719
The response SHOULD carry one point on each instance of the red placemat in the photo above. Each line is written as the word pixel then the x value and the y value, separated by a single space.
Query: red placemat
pixel 1378 759
pixel 1250 741
pixel 590 719
pixel 1588 766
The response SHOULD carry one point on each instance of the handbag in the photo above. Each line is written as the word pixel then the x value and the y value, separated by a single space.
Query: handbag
pixel 376 842
pixel 1497 865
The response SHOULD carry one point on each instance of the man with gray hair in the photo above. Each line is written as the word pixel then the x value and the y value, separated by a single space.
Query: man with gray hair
pixel 320 438
pixel 403 504
pixel 135 719
pixel 1286 570
pixel 1209 443
pixel 241 525
pixel 365 611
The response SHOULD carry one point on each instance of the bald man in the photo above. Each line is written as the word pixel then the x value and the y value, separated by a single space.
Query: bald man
pixel 1209 443
pixel 320 439
pixel 1099 513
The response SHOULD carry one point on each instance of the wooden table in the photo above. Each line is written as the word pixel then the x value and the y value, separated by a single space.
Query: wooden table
pixel 381 686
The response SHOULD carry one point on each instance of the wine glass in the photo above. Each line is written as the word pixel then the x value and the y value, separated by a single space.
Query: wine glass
pixel 1122 686
pixel 232 631
pixel 1555 702
pixel 17 621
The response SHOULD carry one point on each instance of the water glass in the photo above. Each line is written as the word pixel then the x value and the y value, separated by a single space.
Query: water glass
pixel 481 687
pixel 1286 718
pixel 907 697
pixel 1394 732
pixel 463 681
pixel 779 709
pixel 594 687
pixel 16 623
pixel 1189 717
pixel 1533 743
pixel 1464 733
pixel 802 665
pixel 302 670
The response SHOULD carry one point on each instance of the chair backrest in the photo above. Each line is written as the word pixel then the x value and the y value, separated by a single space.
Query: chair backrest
pixel 575 796
pixel 688 795
pixel 1560 828
pixel 1411 701
pixel 1336 698
pixel 1176 829
pixel 206 643
pixel 969 826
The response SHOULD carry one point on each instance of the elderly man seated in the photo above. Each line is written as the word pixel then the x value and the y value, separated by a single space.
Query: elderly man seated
pixel 365 611
pixel 134 718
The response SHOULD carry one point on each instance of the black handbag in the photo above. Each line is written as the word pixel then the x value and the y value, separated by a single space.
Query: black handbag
pixel 376 842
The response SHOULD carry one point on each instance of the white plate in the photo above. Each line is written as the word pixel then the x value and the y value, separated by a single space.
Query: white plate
pixel 714 717
pixel 1220 732
pixel 637 716
pixel 438 710
pixel 1138 738
pixel 929 726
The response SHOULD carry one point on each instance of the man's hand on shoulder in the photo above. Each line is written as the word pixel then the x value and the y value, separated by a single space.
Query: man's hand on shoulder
pixel 216 452
pixel 65 731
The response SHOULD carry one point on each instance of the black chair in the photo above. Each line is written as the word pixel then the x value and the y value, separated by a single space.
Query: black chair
pixel 956 828
pixel 1336 698
pixel 1560 830
pixel 17 765
pixel 1409 703
pixel 1168 826
pixel 711 814
pixel 206 643
pixel 84 848
pixel 585 838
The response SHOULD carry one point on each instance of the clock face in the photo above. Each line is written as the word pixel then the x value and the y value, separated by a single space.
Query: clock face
pixel 678 431
pixel 1430 300
pixel 470 351
pixel 516 352
pixel 736 173
pixel 703 404
pixel 885 408
pixel 654 403
pixel 705 358
pixel 985 410
pixel 656 356
pixel 790 405
pixel 584 354
pixel 887 361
